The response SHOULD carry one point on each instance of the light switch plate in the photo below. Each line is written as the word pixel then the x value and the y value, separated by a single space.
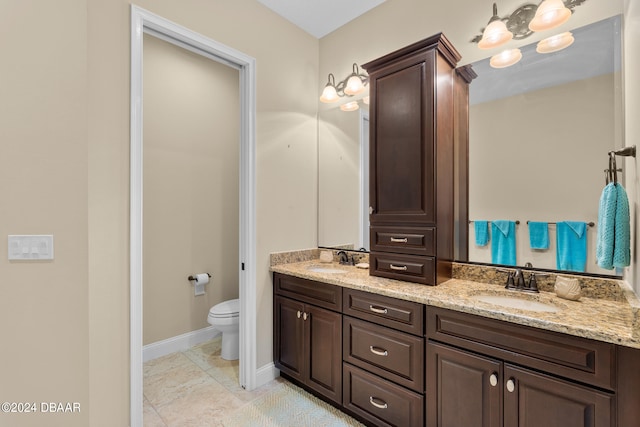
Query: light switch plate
pixel 30 247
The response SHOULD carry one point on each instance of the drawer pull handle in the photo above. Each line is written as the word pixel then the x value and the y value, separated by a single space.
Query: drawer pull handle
pixel 382 405
pixel 299 313
pixel 399 240
pixel 398 267
pixel 305 316
pixel 493 380
pixel 511 385
pixel 378 351
pixel 379 310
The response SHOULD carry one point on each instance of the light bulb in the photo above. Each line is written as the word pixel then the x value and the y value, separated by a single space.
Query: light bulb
pixel 506 58
pixel 550 14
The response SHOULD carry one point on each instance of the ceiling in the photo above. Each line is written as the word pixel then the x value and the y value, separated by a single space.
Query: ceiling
pixel 319 17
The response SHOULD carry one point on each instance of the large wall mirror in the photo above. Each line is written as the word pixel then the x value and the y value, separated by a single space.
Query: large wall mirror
pixel 540 132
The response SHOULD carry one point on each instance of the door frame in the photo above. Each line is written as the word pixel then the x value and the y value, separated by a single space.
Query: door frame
pixel 143 21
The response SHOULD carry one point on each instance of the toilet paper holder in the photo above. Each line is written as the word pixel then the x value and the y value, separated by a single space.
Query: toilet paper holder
pixel 193 277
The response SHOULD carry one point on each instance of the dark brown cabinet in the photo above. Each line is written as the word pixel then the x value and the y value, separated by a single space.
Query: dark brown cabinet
pixel 383 354
pixel 414 141
pixel 308 338
pixel 487 373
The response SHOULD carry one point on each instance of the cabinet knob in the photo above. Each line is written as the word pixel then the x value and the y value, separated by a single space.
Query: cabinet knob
pixel 299 313
pixel 382 405
pixel 493 379
pixel 371 210
pixel 511 385
pixel 398 267
pixel 305 316
pixel 378 310
pixel 378 351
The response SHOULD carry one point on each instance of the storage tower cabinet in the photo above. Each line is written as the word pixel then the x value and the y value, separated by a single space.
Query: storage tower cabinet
pixel 418 139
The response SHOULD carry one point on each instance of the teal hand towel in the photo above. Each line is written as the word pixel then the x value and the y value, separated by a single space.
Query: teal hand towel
pixel 613 239
pixel 622 238
pixel 571 245
pixel 538 235
pixel 503 242
pixel 606 226
pixel 482 232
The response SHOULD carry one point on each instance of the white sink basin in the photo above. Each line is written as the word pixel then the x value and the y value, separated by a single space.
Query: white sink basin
pixel 322 269
pixel 517 303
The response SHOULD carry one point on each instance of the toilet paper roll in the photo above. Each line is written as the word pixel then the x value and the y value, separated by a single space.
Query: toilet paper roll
pixel 202 278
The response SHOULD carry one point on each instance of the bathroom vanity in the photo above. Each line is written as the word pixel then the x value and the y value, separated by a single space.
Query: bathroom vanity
pixel 396 353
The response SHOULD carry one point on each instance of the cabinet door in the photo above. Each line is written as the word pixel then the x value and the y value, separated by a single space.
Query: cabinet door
pixel 323 352
pixel 463 389
pixel 402 142
pixel 536 400
pixel 289 338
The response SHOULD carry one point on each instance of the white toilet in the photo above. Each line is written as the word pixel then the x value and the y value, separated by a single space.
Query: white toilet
pixel 225 317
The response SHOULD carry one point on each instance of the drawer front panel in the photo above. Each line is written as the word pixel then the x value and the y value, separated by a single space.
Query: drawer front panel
pixel 394 355
pixel 572 357
pixel 405 240
pixel 409 268
pixel 321 294
pixel 379 401
pixel 406 316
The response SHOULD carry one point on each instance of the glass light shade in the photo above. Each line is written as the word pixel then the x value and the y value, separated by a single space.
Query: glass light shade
pixel 550 14
pixel 329 94
pixel 555 43
pixel 366 100
pixel 350 106
pixel 354 85
pixel 506 58
pixel 496 34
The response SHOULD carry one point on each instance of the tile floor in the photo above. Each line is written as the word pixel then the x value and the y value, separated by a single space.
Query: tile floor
pixel 179 388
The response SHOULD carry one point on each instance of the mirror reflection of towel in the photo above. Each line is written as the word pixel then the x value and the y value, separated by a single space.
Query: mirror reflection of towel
pixel 538 235
pixel 571 245
pixel 481 229
pixel 503 242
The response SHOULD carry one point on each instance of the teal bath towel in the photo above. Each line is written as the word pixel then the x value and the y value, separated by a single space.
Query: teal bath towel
pixel 503 242
pixel 482 232
pixel 539 235
pixel 571 242
pixel 614 238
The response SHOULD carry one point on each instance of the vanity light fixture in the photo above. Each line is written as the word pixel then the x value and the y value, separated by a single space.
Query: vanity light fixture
pixel 555 43
pixel 496 33
pixel 550 14
pixel 354 84
pixel 529 18
pixel 350 106
pixel 506 58
pixel 366 100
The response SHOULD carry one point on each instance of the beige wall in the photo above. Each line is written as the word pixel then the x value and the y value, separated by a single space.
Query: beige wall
pixel 43 188
pixel 512 181
pixel 632 126
pixel 190 188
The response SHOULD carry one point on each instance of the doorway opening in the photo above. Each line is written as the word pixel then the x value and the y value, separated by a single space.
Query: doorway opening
pixel 144 22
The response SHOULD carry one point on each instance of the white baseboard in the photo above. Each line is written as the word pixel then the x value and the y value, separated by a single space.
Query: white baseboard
pixel 178 343
pixel 266 373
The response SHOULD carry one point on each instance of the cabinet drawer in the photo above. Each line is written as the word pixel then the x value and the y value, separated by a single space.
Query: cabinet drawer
pixel 404 240
pixel 403 315
pixel 388 353
pixel 321 294
pixel 409 268
pixel 576 358
pixel 379 401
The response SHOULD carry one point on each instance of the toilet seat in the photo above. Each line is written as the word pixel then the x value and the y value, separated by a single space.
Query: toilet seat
pixel 225 309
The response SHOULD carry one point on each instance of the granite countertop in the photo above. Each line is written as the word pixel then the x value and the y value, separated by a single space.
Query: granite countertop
pixel 605 320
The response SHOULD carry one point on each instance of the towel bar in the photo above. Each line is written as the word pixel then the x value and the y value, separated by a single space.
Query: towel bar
pixel 590 224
